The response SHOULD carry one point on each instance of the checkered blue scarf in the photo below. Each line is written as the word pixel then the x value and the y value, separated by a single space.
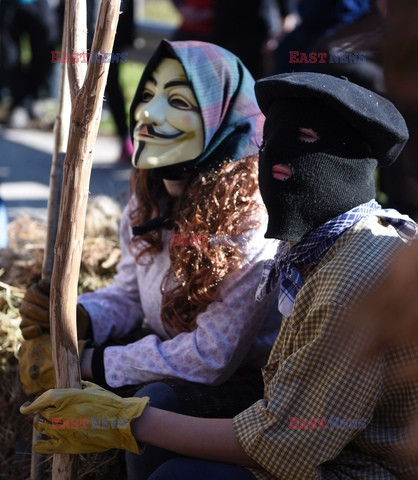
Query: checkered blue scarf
pixel 283 269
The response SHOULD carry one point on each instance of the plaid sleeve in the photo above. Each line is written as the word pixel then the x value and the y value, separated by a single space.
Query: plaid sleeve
pixel 318 398
pixel 291 433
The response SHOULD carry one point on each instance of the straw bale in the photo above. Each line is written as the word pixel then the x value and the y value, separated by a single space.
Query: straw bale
pixel 20 267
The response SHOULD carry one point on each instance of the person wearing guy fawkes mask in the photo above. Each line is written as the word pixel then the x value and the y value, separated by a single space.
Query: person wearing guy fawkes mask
pixel 179 323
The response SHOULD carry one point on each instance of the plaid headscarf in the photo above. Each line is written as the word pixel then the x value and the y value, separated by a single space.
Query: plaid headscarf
pixel 224 90
pixel 283 268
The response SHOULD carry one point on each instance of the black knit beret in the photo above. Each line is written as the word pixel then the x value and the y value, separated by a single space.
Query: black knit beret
pixel 376 118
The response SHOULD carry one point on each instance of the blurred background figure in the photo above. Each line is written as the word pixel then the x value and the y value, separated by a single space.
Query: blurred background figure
pixel 400 62
pixel 306 22
pixel 391 311
pixel 396 299
pixel 356 50
pixel 197 19
pixel 391 314
pixel 114 94
pixel 26 80
pixel 373 33
pixel 244 27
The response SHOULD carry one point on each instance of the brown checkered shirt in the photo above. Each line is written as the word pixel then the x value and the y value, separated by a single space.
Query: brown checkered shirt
pixel 324 414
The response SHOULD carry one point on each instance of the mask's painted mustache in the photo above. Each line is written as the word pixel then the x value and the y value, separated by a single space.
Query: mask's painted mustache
pixel 145 129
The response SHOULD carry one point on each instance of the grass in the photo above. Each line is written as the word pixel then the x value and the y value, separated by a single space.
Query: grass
pixel 161 10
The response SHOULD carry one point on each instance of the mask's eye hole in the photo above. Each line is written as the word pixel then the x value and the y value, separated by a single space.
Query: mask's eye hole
pixel 146 96
pixel 307 135
pixel 180 103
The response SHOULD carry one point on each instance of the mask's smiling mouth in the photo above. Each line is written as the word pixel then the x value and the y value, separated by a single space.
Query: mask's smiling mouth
pixel 281 171
pixel 147 132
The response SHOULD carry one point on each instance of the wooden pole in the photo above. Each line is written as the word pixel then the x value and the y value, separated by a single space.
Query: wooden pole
pixel 86 100
pixel 61 128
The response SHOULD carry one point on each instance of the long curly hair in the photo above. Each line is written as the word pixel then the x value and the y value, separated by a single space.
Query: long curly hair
pixel 222 202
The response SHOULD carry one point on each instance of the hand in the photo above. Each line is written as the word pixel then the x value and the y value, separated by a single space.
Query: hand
pixel 85 421
pixel 35 365
pixel 290 22
pixel 36 369
pixel 34 312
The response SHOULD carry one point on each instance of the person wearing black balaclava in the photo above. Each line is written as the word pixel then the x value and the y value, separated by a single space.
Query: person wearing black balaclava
pixel 314 165
pixel 324 413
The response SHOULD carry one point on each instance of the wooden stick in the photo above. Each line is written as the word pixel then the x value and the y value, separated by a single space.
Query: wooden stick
pixel 61 128
pixel 77 42
pixel 87 98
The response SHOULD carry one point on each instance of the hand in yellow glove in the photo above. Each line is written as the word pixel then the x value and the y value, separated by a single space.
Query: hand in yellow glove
pixel 85 421
pixel 35 365
pixel 34 312
pixel 36 369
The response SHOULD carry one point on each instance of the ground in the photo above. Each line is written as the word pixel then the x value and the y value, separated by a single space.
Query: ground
pixel 21 265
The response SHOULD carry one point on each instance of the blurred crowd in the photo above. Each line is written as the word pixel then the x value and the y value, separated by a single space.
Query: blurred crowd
pixel 347 38
pixel 373 43
pixel 339 37
pixel 29 31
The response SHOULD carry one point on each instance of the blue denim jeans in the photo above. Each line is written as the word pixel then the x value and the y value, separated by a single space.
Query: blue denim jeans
pixel 140 467
pixel 179 396
pixel 191 469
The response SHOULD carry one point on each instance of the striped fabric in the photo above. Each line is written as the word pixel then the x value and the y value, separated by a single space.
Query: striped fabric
pixel 314 373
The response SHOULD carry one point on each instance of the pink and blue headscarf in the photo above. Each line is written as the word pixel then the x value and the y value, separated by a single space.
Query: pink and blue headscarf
pixel 224 90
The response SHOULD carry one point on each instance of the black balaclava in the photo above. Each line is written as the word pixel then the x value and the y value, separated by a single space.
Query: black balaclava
pixel 329 176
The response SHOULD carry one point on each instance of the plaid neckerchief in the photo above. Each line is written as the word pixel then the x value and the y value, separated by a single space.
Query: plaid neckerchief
pixel 283 268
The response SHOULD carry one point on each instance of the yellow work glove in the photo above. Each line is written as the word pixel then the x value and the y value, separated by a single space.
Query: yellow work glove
pixel 35 365
pixel 34 312
pixel 36 369
pixel 85 421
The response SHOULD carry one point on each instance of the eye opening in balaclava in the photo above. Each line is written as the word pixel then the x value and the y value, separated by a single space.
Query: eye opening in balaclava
pixel 328 176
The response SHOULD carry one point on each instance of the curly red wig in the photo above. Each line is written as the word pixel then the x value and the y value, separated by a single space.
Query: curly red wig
pixel 223 202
